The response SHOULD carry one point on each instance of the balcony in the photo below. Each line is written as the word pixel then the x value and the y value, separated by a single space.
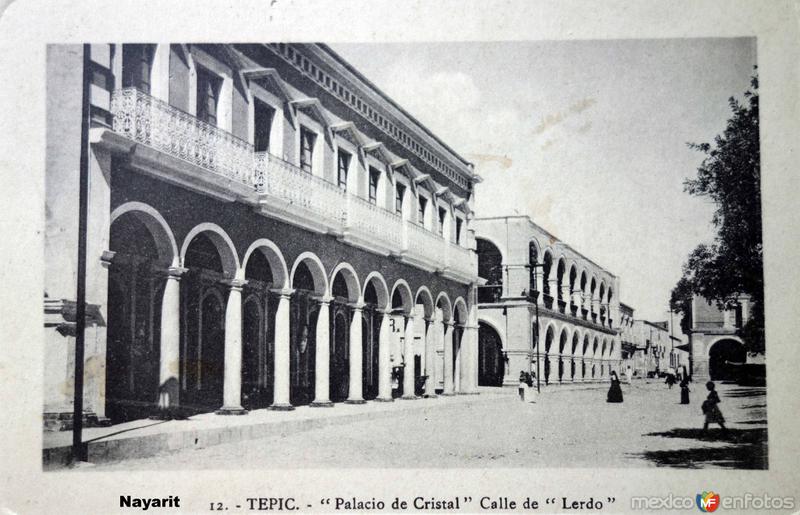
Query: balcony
pixel 163 141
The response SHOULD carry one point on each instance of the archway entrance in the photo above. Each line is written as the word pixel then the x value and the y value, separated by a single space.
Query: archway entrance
pixel 491 365
pixel 370 334
pixel 135 291
pixel 720 356
pixel 258 333
pixel 303 336
pixel 203 316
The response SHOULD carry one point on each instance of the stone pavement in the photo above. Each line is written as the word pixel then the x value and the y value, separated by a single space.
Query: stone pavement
pixel 142 438
pixel 565 427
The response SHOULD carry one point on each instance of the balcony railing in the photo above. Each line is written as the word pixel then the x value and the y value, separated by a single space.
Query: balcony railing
pixel 157 124
pixel 291 183
pixel 154 123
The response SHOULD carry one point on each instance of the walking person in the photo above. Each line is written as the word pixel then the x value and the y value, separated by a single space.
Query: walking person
pixel 711 409
pixel 615 391
pixel 684 390
pixel 523 384
pixel 629 375
pixel 530 392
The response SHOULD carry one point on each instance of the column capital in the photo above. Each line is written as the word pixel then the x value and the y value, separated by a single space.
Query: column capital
pixel 283 292
pixel 235 284
pixel 175 272
pixel 106 258
pixel 358 306
pixel 324 300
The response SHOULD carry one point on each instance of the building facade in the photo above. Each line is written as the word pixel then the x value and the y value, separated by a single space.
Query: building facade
pixel 714 340
pixel 266 228
pixel 528 274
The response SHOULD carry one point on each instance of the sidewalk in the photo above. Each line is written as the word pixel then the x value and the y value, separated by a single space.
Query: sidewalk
pixel 143 438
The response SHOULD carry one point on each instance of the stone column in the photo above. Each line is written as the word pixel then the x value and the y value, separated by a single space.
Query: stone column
pixel 384 363
pixel 552 361
pixel 322 360
pixel 447 369
pixel 539 284
pixel 408 359
pixel 553 282
pixel 232 383
pixel 430 355
pixel 457 362
pixel 469 360
pixel 578 370
pixel 577 300
pixel 355 395
pixel 170 342
pixel 282 378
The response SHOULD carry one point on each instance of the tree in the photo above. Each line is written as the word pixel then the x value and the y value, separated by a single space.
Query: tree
pixel 730 175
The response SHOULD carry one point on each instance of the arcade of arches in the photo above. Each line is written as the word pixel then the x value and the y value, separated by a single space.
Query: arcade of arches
pixel 199 329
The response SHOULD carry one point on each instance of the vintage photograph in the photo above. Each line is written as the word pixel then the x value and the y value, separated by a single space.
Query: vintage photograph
pixel 467 254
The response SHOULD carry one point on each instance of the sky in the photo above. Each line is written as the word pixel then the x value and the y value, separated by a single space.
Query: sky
pixel 589 138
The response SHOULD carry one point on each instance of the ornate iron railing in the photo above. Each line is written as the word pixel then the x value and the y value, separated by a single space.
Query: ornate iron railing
pixel 157 124
pixel 375 222
pixel 291 183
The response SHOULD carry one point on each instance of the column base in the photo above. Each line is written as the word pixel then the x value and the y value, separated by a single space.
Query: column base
pixel 409 397
pixel 231 411
pixel 448 394
pixel 355 401
pixel 384 399
pixel 321 404
pixel 430 396
pixel 281 407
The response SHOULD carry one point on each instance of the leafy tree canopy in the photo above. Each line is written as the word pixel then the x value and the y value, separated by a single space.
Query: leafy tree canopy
pixel 730 176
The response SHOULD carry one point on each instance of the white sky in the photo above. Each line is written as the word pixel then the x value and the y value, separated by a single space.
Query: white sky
pixel 587 137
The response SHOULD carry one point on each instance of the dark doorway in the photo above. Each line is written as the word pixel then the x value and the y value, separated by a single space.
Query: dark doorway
pixel 491 363
pixel 720 357
pixel 135 290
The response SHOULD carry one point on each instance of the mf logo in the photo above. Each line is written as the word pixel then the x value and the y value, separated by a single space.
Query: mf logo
pixel 707 501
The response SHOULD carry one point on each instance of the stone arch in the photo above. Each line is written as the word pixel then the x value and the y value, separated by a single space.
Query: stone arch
pixel 563 339
pixel 576 342
pixel 317 270
pixel 424 295
pixel 491 362
pixel 274 256
pixel 157 226
pixel 223 243
pixel 722 350
pixel 604 348
pixel 549 335
pixel 490 268
pixel 443 303
pixel 350 276
pixel 382 290
pixel 460 309
pixel 402 289
pixel 586 345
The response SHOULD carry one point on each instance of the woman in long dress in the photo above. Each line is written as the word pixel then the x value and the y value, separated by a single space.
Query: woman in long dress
pixel 684 390
pixel 711 409
pixel 615 391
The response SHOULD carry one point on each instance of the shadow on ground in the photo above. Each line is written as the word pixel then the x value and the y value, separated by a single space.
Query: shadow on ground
pixel 745 449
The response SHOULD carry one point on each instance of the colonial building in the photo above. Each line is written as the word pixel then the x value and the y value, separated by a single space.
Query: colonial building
pixel 266 228
pixel 715 344
pixel 527 275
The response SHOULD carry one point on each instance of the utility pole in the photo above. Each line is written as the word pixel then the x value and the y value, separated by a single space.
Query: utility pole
pixel 80 316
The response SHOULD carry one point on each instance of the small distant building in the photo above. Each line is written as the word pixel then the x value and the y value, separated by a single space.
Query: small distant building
pixel 714 341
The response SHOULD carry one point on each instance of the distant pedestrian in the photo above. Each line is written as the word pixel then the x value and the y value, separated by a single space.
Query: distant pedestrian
pixel 684 390
pixel 629 374
pixel 615 391
pixel 670 380
pixel 530 393
pixel 523 384
pixel 711 409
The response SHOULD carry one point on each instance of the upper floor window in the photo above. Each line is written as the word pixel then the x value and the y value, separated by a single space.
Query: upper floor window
pixel 307 139
pixel 421 205
pixel 399 193
pixel 208 86
pixel 374 176
pixel 343 165
pixel 263 115
pixel 459 224
pixel 137 66
pixel 442 214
